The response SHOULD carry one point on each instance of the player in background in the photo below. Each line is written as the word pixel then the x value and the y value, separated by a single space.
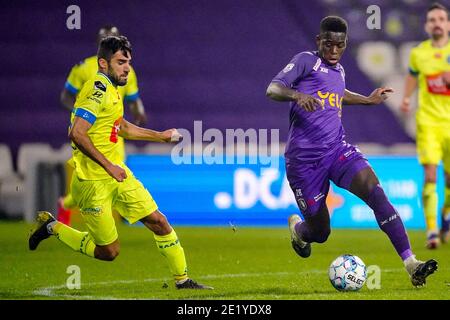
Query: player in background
pixel 316 150
pixel 102 182
pixel 429 70
pixel 78 75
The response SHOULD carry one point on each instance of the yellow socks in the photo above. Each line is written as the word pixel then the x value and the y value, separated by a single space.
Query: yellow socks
pixel 78 241
pixel 430 206
pixel 170 247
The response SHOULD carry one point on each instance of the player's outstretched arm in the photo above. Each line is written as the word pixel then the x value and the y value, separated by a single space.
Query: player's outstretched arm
pixel 276 91
pixel 132 132
pixel 376 97
pixel 78 134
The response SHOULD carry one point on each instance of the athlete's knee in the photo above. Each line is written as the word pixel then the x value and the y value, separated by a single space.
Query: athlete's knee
pixel 160 219
pixel 430 173
pixel 364 183
pixel 107 253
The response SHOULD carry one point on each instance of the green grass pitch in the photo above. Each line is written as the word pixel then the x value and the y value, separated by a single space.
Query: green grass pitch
pixel 247 263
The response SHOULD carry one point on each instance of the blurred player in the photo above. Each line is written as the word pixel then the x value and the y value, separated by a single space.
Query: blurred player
pixel 429 68
pixel 316 151
pixel 79 74
pixel 102 182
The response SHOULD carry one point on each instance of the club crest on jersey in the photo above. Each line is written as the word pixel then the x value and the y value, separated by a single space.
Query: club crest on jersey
pixel 288 67
pixel 448 58
pixel 100 86
pixel 323 69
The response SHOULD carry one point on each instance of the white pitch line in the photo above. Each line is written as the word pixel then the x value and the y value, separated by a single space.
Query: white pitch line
pixel 49 291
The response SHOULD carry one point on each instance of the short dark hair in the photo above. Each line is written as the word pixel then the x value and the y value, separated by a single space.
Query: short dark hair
pixel 107 30
pixel 111 44
pixel 333 24
pixel 437 5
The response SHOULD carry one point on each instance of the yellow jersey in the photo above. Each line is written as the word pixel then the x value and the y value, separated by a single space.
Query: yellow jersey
pixel 428 64
pixel 99 102
pixel 87 68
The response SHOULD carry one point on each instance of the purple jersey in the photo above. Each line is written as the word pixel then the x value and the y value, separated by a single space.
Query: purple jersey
pixel 312 135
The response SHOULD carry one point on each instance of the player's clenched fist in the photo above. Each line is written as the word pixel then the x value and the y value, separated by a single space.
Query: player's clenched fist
pixel 171 135
pixel 116 172
pixel 405 107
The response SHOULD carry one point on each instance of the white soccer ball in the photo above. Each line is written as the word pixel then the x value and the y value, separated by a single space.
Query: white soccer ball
pixel 347 273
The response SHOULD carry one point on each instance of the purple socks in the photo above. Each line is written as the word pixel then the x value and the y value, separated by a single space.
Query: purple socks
pixel 389 221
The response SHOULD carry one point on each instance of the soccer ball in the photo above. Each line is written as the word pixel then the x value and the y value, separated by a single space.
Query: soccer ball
pixel 347 273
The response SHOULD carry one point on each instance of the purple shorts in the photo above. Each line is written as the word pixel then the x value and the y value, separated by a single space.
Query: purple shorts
pixel 310 182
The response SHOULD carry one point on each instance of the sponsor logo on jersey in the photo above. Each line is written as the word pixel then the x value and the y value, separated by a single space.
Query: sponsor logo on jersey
pixel 436 85
pixel 318 197
pixel 91 211
pixel 317 65
pixel 97 94
pixel 94 99
pixel 333 99
pixel 100 86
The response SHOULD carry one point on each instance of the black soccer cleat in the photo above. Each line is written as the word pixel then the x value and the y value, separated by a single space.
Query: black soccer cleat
pixel 191 284
pixel 40 231
pixel 302 248
pixel 303 252
pixel 422 271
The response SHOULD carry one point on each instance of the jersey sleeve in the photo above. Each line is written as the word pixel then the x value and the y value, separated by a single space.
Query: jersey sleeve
pixel 299 67
pixel 131 88
pixel 413 67
pixel 74 81
pixel 90 100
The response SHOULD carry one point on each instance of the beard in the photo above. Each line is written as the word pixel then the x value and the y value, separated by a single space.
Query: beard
pixel 116 79
pixel 437 33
